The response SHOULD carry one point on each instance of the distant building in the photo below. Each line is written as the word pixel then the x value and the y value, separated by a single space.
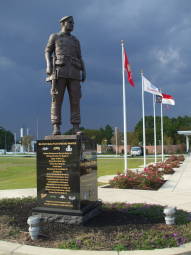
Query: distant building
pixel 19 148
pixel 187 134
pixel 168 149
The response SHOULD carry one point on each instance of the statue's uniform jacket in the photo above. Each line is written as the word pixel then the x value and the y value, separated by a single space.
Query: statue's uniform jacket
pixel 68 65
pixel 67 53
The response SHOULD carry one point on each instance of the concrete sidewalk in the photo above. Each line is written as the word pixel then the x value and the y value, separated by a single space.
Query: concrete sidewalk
pixel 175 192
pixel 14 193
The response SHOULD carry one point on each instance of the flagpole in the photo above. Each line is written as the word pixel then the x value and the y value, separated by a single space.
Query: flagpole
pixel 143 111
pixel 162 135
pixel 116 141
pixel 155 139
pixel 15 136
pixel 124 112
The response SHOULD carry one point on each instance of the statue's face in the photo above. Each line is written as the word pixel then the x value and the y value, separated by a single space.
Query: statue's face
pixel 68 25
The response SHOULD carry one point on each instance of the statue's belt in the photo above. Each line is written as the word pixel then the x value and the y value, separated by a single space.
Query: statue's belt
pixel 61 60
pixel 59 57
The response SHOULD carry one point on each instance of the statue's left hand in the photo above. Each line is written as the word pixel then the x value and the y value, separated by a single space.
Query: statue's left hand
pixel 83 76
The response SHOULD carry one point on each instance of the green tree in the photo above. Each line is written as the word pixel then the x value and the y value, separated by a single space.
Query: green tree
pixel 149 130
pixel 102 135
pixel 132 138
pixel 170 127
pixel 117 136
pixel 108 133
pixel 6 139
pixel 168 140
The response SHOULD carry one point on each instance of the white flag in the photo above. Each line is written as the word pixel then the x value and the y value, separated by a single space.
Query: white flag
pixel 149 87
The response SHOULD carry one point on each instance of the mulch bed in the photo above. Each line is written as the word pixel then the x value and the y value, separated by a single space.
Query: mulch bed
pixel 116 227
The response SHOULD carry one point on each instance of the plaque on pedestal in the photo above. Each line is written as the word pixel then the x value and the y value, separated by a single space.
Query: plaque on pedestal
pixel 67 178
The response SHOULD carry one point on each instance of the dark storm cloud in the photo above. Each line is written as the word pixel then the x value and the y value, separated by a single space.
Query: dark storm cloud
pixel 157 40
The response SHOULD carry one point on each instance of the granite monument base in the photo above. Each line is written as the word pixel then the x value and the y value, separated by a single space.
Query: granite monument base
pixel 75 217
pixel 67 179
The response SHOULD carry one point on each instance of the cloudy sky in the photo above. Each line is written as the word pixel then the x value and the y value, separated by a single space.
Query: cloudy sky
pixel 157 37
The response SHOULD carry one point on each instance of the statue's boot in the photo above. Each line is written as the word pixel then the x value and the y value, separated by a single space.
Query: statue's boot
pixel 56 129
pixel 76 128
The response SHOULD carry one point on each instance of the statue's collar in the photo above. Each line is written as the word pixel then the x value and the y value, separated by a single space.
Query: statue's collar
pixel 64 34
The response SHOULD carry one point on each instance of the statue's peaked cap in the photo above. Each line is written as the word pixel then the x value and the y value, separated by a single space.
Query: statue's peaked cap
pixel 65 18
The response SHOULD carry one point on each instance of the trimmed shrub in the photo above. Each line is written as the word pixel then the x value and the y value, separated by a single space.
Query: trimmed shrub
pixel 181 158
pixel 147 180
pixel 168 170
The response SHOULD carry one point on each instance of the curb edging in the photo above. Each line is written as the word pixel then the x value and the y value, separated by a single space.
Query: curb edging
pixel 9 248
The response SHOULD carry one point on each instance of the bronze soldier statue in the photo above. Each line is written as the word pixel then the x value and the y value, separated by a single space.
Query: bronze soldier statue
pixel 65 69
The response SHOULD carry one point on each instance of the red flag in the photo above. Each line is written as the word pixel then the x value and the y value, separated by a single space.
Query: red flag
pixel 167 99
pixel 127 67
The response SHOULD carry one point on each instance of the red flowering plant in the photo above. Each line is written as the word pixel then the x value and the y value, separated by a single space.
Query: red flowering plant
pixel 175 161
pixel 152 167
pixel 148 180
pixel 161 165
pixel 174 158
pixel 172 164
pixel 181 158
pixel 153 179
pixel 165 168
pixel 171 159
pixel 168 170
pixel 175 164
pixel 125 181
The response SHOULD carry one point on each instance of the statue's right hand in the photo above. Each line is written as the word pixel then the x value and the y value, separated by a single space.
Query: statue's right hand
pixel 48 70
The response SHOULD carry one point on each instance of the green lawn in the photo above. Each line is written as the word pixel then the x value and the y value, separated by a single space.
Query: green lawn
pixel 113 166
pixel 17 172
pixel 20 172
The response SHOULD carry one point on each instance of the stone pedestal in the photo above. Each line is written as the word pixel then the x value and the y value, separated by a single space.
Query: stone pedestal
pixel 67 178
